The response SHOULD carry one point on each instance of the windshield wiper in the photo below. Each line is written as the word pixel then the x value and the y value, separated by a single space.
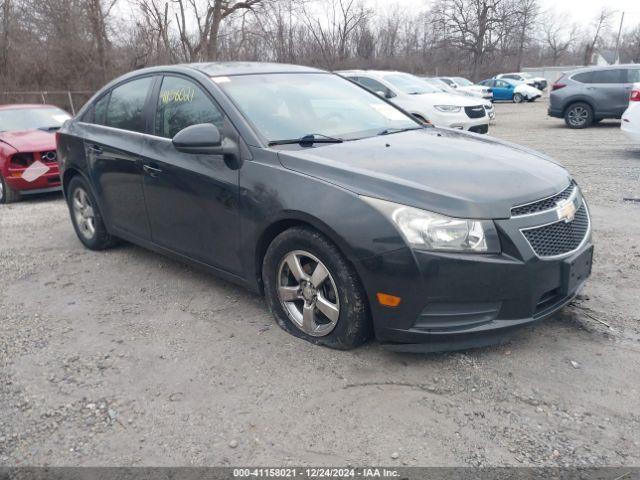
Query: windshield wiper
pixel 308 139
pixel 50 129
pixel 389 131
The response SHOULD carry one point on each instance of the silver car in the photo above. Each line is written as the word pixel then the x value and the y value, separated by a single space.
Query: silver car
pixel 586 96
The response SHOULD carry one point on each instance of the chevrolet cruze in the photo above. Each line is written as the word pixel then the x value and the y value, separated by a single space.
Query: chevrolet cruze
pixel 351 217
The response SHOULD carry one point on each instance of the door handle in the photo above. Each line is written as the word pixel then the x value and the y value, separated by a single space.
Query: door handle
pixel 95 149
pixel 151 171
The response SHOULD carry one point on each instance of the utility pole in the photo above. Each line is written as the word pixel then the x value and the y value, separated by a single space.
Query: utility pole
pixel 616 60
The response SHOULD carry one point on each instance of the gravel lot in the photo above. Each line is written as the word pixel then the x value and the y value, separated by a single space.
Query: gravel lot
pixel 127 358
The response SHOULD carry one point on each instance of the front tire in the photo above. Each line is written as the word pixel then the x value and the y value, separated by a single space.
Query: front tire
pixel 578 115
pixel 86 217
pixel 313 292
pixel 8 194
pixel 518 98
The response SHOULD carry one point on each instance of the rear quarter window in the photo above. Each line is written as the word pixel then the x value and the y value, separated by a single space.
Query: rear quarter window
pixel 601 76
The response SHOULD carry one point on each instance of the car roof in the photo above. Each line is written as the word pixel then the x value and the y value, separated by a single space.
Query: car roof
pixel 247 68
pixel 13 106
pixel 378 73
pixel 594 68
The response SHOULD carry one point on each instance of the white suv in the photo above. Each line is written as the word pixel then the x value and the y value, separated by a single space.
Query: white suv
pixel 631 117
pixel 424 101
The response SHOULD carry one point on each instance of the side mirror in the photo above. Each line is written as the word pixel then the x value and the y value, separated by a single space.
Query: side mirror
pixel 203 138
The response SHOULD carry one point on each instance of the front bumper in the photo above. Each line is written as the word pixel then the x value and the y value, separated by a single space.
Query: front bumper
pixel 48 181
pixel 460 121
pixel 456 301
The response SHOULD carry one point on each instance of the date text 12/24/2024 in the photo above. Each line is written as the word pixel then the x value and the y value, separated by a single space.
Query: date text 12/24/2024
pixel 315 472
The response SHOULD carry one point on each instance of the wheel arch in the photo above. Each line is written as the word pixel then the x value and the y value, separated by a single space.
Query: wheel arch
pixel 575 100
pixel 289 220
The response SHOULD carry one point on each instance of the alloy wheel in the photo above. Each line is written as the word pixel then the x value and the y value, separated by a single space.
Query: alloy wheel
pixel 578 116
pixel 308 293
pixel 1 190
pixel 84 213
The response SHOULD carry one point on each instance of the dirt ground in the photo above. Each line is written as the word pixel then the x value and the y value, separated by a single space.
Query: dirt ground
pixel 127 358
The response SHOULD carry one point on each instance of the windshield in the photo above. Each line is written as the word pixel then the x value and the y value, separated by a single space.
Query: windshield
pixel 526 75
pixel 463 82
pixel 409 84
pixel 20 119
pixel 290 106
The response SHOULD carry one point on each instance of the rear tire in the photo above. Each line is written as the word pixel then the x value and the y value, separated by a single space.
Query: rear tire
pixel 578 115
pixel 86 217
pixel 328 308
pixel 8 194
pixel 518 98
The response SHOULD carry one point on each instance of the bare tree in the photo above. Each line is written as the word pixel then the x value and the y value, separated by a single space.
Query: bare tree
pixel 601 23
pixel 5 47
pixel 558 37
pixel 525 14
pixel 157 19
pixel 471 25
pixel 333 33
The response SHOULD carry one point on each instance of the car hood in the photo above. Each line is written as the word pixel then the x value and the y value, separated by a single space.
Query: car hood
pixel 525 88
pixel 442 170
pixel 30 140
pixel 476 88
pixel 442 98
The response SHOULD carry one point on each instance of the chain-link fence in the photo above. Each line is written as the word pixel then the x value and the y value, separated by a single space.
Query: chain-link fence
pixel 69 100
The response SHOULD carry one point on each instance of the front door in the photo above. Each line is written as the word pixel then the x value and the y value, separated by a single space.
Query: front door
pixel 192 199
pixel 113 144
pixel 504 89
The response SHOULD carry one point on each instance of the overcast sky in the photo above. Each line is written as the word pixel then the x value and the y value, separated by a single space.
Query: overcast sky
pixel 579 11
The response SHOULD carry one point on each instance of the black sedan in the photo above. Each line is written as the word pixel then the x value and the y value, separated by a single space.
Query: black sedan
pixel 351 217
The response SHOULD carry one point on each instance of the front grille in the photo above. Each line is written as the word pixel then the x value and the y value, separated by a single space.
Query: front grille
pixel 479 129
pixel 476 111
pixel 544 204
pixel 559 238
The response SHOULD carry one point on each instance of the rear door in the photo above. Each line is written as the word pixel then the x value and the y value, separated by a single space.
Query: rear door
pixel 192 199
pixel 113 143
pixel 607 88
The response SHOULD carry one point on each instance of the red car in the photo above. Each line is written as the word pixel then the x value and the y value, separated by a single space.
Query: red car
pixel 28 161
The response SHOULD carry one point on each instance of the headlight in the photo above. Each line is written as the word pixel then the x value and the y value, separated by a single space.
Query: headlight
pixel 431 231
pixel 448 108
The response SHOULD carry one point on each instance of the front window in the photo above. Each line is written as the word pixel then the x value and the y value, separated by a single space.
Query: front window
pixel 182 104
pixel 463 82
pixel 409 84
pixel 290 106
pixel 41 118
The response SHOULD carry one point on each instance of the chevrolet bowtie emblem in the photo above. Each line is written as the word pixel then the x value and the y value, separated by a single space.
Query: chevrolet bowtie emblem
pixel 566 210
